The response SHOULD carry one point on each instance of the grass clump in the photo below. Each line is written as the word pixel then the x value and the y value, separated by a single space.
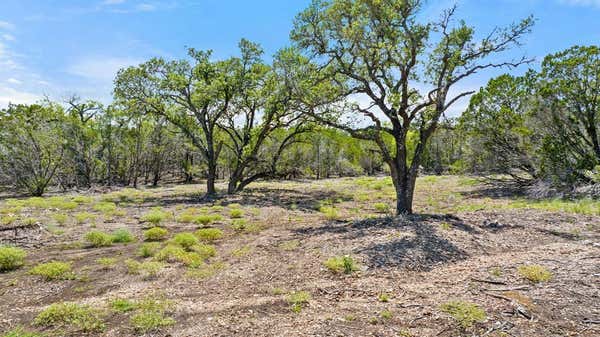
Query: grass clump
pixel 341 264
pixel 98 239
pixel 535 273
pixel 122 236
pixel 54 270
pixel 386 314
pixel 236 213
pixel 298 299
pixel 205 271
pixel 70 315
pixel 11 258
pixel 107 262
pixel 205 251
pixel 209 234
pixel 151 316
pixel 148 249
pixel 19 332
pixel 290 245
pixel 60 218
pixel 242 225
pixel 173 253
pixel 148 269
pixel 185 240
pixel 156 234
pixel 82 199
pixel 383 298
pixel 206 219
pixel 330 212
pixel 155 217
pixel 465 313
pixel 122 305
pixel 84 217
pixel 381 207
pixel 445 226
pixel 105 207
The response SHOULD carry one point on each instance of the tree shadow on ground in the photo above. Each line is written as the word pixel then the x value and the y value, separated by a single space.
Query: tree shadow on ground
pixel 257 197
pixel 417 244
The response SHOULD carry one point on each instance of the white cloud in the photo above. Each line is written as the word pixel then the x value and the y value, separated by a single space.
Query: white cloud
pixel 145 7
pixel 100 69
pixel 588 3
pixel 6 25
pixel 112 2
pixel 13 81
pixel 11 95
pixel 8 37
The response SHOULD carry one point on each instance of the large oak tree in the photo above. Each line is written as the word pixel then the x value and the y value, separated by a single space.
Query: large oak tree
pixel 407 68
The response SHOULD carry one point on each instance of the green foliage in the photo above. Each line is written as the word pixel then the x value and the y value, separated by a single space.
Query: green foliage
pixel 445 226
pixel 122 236
pixel 383 297
pixel 339 264
pixel 151 315
pixel 54 270
pixel 122 305
pixel 156 234
pixel 105 207
pixel 98 239
pixel 209 234
pixel 172 253
pixel 20 332
pixel 70 315
pixel 206 219
pixel 386 314
pixel 204 271
pixel 298 299
pixel 107 262
pixel 60 218
pixel 330 212
pixel 185 240
pixel 205 251
pixel 465 313
pixel 148 249
pixel 11 258
pixel 155 217
pixel 381 207
pixel 84 217
pixel 535 273
pixel 242 225
pixel 236 213
pixel 148 269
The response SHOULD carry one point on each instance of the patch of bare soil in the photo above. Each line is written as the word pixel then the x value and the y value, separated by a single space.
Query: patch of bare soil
pixel 419 262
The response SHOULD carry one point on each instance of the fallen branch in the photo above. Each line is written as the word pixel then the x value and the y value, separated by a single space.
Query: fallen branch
pixel 488 281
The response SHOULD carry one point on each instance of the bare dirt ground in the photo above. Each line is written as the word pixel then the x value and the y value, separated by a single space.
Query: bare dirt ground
pixel 451 250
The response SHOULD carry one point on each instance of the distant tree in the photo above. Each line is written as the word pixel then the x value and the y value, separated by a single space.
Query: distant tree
pixel 381 50
pixel 31 145
pixel 193 95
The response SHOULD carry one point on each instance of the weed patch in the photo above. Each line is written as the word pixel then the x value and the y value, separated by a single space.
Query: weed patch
pixel 11 258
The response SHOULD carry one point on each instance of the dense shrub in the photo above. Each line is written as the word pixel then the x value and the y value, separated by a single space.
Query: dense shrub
pixel 11 258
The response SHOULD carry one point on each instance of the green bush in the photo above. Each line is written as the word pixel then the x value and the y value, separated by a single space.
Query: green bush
pixel 122 236
pixel 465 313
pixel 156 234
pixel 70 315
pixel 535 273
pixel 236 213
pixel 185 240
pixel 83 217
pixel 339 264
pixel 209 234
pixel 60 218
pixel 205 251
pixel 98 239
pixel 107 262
pixel 330 212
pixel 155 216
pixel 206 219
pixel 11 258
pixel 148 249
pixel 107 208
pixel 54 270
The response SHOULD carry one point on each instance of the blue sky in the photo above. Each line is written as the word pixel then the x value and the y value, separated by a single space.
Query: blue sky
pixel 63 47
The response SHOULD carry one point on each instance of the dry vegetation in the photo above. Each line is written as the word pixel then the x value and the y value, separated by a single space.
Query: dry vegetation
pixel 318 258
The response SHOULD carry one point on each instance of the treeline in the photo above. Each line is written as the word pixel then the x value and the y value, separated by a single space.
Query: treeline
pixel 242 119
pixel 80 144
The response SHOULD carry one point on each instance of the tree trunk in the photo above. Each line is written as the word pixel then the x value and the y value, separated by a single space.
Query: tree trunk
pixel 404 196
pixel 211 191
